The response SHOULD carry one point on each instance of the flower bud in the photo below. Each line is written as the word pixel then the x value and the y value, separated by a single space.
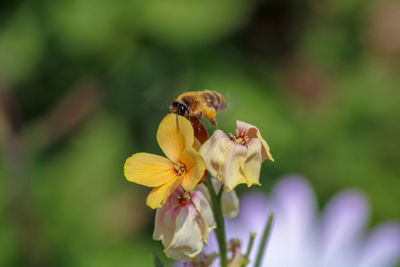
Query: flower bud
pixel 229 200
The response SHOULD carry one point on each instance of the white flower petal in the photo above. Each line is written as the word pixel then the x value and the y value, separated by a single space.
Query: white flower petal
pixel 230 173
pixel 206 219
pixel 213 151
pixel 252 165
pixel 253 132
pixel 164 230
pixel 223 159
pixel 187 241
pixel 243 127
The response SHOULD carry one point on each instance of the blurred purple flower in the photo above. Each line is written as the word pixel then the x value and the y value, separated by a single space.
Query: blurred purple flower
pixel 300 238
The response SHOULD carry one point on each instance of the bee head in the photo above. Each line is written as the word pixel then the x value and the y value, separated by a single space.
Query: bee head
pixel 179 108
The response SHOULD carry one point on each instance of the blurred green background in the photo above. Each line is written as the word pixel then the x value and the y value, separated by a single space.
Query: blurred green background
pixel 85 83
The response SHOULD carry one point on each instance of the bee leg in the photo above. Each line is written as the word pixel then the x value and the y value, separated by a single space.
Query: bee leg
pixel 214 122
pixel 199 121
pixel 188 112
pixel 210 113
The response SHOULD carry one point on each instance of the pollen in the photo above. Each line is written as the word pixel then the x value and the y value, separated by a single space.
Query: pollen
pixel 180 168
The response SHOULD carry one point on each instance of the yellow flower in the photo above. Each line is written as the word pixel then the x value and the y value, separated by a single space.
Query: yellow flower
pixel 183 165
pixel 236 159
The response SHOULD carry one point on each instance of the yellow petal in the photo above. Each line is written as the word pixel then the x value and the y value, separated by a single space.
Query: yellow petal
pixel 195 168
pixel 149 169
pixel 252 165
pixel 173 140
pixel 159 195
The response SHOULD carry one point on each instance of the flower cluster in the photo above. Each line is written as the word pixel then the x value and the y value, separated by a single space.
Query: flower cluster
pixel 190 203
pixel 193 189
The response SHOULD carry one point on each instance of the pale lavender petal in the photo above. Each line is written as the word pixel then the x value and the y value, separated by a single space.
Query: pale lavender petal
pixel 179 263
pixel 234 228
pixel 343 223
pixel 212 245
pixel 298 239
pixel 254 208
pixel 383 247
pixel 238 229
pixel 292 242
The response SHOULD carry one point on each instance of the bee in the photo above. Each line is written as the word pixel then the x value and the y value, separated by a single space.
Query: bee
pixel 193 105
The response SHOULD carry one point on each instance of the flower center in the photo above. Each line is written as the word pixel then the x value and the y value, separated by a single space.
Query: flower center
pixel 185 199
pixel 180 168
pixel 241 139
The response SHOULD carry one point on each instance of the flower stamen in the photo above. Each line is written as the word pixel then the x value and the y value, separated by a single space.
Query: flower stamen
pixel 180 168
pixel 185 199
pixel 241 139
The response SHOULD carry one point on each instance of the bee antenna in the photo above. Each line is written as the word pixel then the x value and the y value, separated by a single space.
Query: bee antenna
pixel 177 120
pixel 188 112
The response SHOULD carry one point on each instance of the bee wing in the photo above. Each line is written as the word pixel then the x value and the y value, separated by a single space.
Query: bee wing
pixel 228 98
pixel 157 99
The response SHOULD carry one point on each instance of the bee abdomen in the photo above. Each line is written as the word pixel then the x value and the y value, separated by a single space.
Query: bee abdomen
pixel 214 99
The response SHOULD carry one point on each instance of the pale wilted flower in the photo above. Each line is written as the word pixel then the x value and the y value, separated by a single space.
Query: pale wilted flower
pixel 236 159
pixel 183 224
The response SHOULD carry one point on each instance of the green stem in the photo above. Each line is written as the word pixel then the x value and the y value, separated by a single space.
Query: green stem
pixel 264 240
pixel 219 220
pixel 251 243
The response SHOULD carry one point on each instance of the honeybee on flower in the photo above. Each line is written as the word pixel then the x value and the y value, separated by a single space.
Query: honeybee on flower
pixel 189 204
pixel 195 105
